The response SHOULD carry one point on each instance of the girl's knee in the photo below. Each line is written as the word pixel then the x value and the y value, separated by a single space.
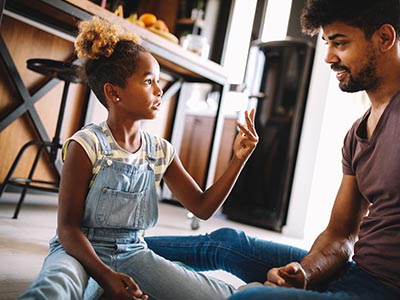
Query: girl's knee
pixel 64 265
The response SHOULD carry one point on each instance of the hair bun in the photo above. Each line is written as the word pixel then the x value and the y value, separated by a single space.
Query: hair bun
pixel 98 37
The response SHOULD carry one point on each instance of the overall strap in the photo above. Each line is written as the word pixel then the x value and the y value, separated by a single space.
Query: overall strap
pixel 104 144
pixel 150 146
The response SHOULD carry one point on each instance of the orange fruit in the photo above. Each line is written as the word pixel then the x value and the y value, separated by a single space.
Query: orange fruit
pixel 148 19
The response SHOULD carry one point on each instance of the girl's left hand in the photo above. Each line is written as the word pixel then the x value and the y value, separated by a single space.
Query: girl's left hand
pixel 247 138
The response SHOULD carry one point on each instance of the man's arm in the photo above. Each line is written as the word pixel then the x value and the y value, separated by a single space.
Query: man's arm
pixel 333 247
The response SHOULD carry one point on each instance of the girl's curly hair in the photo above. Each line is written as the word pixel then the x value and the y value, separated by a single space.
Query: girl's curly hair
pixel 110 54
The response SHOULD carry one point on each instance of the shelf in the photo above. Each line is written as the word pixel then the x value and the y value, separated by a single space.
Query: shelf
pixel 191 22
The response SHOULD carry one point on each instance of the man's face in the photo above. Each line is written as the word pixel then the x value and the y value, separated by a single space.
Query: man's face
pixel 352 57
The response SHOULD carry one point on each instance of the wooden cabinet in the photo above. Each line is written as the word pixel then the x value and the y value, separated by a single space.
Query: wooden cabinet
pixel 195 145
pixel 196 142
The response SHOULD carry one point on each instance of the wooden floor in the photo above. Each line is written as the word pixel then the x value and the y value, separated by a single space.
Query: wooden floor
pixel 24 241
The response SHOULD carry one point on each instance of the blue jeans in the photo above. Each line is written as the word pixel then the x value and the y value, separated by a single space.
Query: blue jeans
pixel 250 259
pixel 62 276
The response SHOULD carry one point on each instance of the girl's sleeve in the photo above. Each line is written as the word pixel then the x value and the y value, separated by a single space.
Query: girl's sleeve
pixel 88 142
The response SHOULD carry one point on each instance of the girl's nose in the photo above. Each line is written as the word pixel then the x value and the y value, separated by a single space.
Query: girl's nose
pixel 160 92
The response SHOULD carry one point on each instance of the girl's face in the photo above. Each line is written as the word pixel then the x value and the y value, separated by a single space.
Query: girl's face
pixel 141 97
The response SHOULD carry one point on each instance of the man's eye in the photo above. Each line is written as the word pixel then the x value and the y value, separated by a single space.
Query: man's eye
pixel 338 44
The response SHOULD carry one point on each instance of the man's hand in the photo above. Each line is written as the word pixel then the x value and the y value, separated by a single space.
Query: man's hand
pixel 291 275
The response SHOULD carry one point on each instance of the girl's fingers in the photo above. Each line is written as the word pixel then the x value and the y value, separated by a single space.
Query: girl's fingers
pixel 252 114
pixel 133 288
pixel 245 131
pixel 248 132
pixel 249 117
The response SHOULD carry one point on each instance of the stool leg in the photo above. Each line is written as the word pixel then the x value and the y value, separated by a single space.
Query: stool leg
pixel 14 165
pixel 56 139
pixel 28 182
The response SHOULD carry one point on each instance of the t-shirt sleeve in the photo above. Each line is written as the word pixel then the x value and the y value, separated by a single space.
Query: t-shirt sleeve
pixel 168 151
pixel 88 141
pixel 347 167
pixel 165 155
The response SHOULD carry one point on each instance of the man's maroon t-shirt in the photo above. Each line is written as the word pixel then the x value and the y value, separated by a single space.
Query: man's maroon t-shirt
pixel 376 164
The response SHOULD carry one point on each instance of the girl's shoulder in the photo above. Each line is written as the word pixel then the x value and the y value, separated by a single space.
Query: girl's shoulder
pixel 87 139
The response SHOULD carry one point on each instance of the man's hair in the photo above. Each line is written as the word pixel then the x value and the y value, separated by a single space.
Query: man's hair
pixel 368 15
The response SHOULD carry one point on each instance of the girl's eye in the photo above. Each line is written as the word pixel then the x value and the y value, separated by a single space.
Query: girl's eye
pixel 147 81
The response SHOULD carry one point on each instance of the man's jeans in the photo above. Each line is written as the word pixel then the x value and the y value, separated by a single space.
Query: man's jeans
pixel 250 258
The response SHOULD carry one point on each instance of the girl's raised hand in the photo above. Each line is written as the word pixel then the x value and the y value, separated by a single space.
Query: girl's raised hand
pixel 247 138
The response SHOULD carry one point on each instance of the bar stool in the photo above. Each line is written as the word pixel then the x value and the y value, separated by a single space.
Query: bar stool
pixel 66 72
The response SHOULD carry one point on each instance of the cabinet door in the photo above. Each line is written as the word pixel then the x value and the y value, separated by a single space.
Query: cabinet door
pixel 195 147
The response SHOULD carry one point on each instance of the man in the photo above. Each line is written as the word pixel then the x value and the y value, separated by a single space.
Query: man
pixel 363 48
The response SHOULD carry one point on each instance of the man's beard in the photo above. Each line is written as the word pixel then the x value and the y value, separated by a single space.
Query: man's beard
pixel 365 80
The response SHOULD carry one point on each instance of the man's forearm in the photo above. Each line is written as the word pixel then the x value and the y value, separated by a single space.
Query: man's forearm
pixel 326 258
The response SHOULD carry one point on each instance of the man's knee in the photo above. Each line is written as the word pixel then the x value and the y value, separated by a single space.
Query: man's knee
pixel 227 233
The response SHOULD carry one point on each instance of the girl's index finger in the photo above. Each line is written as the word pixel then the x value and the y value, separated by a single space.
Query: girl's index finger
pixel 250 120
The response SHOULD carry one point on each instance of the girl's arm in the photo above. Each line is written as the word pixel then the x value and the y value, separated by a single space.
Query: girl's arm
pixel 75 179
pixel 204 204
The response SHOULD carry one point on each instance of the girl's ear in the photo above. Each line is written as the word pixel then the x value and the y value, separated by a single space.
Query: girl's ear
pixel 110 92
pixel 387 37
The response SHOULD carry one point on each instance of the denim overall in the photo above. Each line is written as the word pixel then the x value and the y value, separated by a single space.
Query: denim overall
pixel 121 203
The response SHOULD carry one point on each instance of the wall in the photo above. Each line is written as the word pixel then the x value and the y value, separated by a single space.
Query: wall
pixel 238 39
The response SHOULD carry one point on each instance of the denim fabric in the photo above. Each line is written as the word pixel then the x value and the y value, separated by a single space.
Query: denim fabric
pixel 121 203
pixel 122 195
pixel 250 258
pixel 159 278
pixel 62 277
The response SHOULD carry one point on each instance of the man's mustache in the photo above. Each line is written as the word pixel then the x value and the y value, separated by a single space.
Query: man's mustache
pixel 337 68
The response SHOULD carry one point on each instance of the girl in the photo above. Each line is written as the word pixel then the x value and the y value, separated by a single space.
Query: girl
pixel 108 188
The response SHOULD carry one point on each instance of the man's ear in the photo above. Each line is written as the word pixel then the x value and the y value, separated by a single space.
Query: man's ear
pixel 387 37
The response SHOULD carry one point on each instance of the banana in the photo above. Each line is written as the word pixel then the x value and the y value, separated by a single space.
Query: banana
pixel 169 36
pixel 132 17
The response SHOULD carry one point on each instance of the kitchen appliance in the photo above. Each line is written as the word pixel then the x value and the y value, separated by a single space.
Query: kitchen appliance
pixel 277 78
